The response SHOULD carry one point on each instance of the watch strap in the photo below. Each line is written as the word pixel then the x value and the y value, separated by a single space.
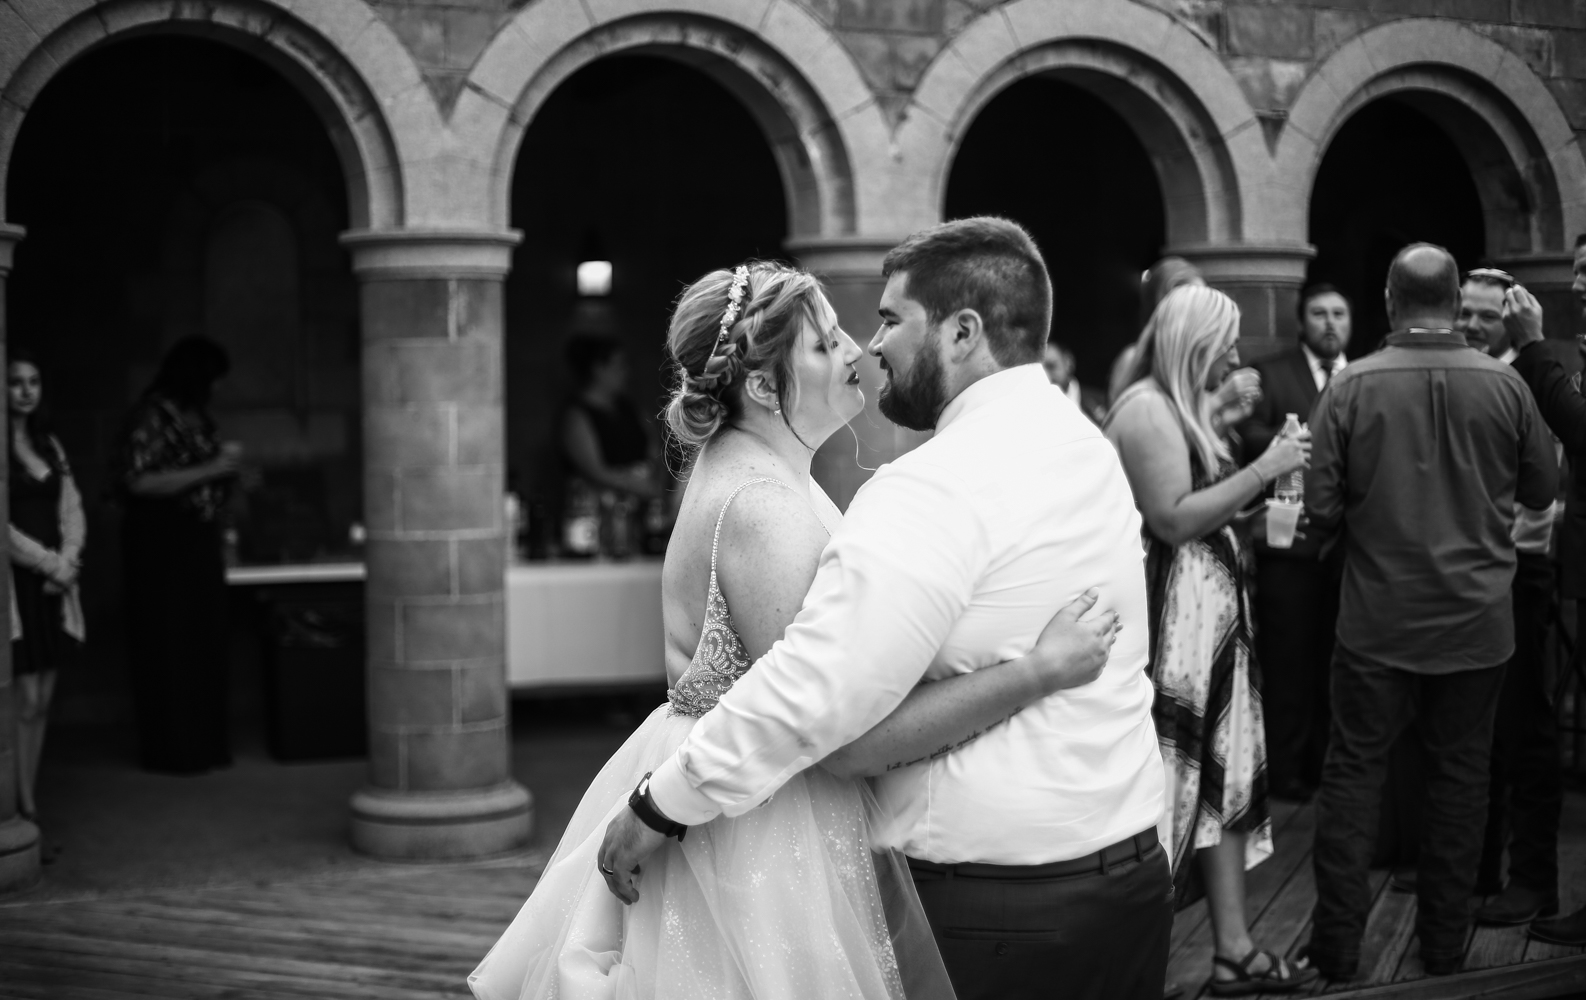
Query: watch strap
pixel 644 807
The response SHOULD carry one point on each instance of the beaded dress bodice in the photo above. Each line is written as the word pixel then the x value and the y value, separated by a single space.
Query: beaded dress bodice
pixel 720 658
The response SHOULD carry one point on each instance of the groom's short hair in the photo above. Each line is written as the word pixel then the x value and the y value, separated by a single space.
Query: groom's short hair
pixel 987 264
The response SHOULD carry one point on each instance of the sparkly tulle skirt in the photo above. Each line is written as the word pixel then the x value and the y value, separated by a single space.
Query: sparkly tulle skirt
pixel 786 901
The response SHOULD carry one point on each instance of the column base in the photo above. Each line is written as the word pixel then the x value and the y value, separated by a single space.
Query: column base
pixel 19 854
pixel 438 826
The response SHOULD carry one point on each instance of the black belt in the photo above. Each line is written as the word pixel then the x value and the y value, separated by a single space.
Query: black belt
pixel 1133 848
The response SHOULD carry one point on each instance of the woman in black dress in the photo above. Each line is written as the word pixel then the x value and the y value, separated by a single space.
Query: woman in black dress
pixel 604 440
pixel 47 532
pixel 176 479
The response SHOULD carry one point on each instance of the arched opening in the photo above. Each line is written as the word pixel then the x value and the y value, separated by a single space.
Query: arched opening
pixel 1391 176
pixel 1059 160
pixel 174 186
pixel 654 166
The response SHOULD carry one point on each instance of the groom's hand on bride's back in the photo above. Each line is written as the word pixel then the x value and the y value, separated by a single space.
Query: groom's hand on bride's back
pixel 628 842
pixel 1074 646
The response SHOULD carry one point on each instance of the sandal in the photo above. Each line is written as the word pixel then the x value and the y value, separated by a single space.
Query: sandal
pixel 1277 977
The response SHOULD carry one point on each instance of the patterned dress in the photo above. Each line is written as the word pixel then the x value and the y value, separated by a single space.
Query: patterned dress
pixel 786 901
pixel 1208 695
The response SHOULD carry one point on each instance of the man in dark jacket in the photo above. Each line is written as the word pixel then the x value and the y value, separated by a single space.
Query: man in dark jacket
pixel 1296 603
pixel 1558 397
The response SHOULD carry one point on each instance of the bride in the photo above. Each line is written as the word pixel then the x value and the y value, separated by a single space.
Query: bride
pixel 789 900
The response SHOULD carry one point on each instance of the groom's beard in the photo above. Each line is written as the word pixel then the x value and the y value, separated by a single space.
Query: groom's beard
pixel 916 400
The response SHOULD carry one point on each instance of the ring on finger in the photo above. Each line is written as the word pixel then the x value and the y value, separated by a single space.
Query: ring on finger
pixel 604 870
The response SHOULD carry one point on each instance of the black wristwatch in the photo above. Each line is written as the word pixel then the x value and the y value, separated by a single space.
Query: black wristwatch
pixel 644 807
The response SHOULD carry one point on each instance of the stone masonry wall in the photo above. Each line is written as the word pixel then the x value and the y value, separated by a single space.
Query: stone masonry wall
pixel 1269 47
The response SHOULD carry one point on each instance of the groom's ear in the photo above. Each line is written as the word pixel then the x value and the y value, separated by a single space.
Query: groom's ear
pixel 966 331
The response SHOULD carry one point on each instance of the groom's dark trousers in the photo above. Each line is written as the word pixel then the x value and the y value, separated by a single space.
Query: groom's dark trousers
pixel 1095 928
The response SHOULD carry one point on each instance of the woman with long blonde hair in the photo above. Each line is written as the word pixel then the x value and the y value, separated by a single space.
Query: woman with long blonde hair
pixel 1167 426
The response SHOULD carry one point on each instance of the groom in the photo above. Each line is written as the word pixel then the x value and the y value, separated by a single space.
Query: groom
pixel 1034 848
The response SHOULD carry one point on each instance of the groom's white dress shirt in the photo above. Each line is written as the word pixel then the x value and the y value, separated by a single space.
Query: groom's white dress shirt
pixel 952 559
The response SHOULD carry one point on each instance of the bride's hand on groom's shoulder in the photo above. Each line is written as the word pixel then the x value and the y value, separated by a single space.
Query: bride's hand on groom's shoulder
pixel 1073 648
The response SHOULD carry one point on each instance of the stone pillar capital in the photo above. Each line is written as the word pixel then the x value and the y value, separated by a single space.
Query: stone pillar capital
pixel 431 253
pixel 10 236
pixel 843 258
pixel 1248 263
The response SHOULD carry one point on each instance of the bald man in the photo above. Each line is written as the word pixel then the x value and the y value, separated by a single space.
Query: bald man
pixel 1420 453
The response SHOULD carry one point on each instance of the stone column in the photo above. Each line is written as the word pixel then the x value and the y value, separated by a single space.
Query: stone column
pixel 19 839
pixel 850 268
pixel 1265 279
pixel 440 783
pixel 1548 276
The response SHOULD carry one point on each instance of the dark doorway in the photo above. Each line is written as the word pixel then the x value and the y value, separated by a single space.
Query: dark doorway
pixel 655 167
pixel 1058 160
pixel 175 186
pixel 1390 177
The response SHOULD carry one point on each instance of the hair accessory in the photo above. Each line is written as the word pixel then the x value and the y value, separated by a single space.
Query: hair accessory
pixel 740 281
pixel 718 366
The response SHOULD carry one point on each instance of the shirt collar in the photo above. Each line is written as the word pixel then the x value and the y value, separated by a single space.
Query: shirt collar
pixel 1508 356
pixel 1317 364
pixel 1426 338
pixel 1020 378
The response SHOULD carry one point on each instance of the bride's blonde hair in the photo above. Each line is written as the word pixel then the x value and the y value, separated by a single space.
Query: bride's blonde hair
pixel 1190 329
pixel 775 302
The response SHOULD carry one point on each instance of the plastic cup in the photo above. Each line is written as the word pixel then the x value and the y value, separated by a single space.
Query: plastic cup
pixel 1282 519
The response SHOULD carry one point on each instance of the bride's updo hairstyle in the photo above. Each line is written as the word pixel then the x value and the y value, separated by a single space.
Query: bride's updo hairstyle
pixel 713 359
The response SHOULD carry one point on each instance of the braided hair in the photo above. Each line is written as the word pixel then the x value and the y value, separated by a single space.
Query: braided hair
pixel 713 358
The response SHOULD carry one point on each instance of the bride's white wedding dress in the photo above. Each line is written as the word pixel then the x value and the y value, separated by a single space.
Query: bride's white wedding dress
pixel 786 901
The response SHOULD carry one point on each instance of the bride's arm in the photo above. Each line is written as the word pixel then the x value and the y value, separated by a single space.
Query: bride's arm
pixel 941 716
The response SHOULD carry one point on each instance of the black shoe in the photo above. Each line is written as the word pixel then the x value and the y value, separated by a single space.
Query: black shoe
pixel 1517 905
pixel 1441 965
pixel 1567 930
pixel 1487 886
pixel 1337 971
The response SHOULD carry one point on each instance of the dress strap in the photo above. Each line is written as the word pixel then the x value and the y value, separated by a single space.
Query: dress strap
pixel 715 541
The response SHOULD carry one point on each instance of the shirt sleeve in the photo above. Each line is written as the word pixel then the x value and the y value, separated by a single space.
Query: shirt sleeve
pixel 1557 399
pixel 894 578
pixel 1537 485
pixel 1325 479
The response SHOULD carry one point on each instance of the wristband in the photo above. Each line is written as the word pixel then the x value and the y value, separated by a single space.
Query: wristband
pixel 644 807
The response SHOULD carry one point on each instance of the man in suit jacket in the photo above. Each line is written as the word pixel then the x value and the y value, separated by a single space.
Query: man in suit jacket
pixel 1296 604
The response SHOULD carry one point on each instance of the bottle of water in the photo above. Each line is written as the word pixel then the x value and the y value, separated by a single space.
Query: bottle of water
pixel 1291 485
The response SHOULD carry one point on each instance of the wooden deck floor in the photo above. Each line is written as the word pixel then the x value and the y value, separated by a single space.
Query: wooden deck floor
pixel 1499 962
pixel 406 933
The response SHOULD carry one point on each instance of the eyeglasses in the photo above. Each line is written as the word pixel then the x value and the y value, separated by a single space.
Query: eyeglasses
pixel 1491 275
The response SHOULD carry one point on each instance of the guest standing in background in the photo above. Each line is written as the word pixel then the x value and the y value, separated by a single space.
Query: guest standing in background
pixel 176 479
pixel 1296 605
pixel 47 532
pixel 1526 794
pixel 1159 279
pixel 1063 371
pixel 604 440
pixel 1208 710
pixel 1419 445
pixel 1558 396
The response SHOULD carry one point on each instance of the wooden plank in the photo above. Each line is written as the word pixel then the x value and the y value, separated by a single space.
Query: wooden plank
pixel 130 977
pixel 205 966
pixel 1389 929
pixel 1559 977
pixel 324 942
pixel 1541 951
pixel 1190 963
pixel 1495 947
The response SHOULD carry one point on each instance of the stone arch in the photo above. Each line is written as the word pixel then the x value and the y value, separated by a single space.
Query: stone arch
pixel 1195 123
pixel 821 121
pixel 352 70
pixel 1523 155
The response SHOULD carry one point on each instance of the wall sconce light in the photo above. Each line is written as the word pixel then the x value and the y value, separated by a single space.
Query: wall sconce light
pixel 594 277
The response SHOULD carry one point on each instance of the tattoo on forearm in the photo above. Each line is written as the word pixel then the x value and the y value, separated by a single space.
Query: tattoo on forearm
pixel 949 748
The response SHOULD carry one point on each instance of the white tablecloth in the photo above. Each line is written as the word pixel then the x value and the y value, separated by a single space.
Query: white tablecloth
pixel 568 624
pixel 572 624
